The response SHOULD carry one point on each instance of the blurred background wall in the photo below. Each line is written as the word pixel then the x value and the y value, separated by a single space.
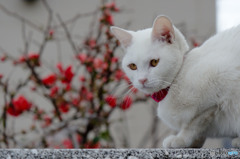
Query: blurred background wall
pixel 196 19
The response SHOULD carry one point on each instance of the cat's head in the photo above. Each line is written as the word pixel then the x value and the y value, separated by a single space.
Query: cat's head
pixel 153 56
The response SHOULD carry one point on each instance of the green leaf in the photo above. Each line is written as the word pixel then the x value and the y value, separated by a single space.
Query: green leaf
pixel 105 135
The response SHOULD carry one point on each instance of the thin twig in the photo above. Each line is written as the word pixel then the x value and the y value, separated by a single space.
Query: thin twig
pixel 19 17
pixel 74 48
pixel 75 18
pixel 50 18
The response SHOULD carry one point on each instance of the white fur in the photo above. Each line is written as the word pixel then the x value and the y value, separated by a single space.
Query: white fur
pixel 204 96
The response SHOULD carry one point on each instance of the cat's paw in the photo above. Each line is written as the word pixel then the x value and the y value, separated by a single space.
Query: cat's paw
pixel 174 141
pixel 236 142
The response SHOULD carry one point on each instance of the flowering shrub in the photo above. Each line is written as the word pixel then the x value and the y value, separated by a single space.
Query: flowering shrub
pixel 82 95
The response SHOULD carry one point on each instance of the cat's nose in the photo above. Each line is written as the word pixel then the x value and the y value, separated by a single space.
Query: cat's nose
pixel 142 81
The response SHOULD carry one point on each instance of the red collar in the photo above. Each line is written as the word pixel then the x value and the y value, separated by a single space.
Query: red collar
pixel 160 95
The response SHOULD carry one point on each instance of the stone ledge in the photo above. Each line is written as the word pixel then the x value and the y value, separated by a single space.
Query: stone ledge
pixel 117 153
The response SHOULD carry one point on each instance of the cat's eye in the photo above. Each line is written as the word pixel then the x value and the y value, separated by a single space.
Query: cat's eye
pixel 132 66
pixel 154 62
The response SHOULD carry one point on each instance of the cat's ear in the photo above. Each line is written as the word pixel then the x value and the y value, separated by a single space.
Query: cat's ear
pixel 122 35
pixel 163 30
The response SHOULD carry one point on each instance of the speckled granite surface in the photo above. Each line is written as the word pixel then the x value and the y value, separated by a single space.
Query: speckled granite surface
pixel 117 153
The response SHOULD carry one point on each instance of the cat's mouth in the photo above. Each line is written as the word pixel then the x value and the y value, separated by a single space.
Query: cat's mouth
pixel 160 95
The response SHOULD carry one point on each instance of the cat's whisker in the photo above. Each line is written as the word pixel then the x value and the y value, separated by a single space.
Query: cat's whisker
pixel 124 90
pixel 168 83
pixel 158 80
pixel 130 91
pixel 125 85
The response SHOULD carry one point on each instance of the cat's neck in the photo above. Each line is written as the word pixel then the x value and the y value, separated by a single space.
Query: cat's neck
pixel 161 94
pixel 180 69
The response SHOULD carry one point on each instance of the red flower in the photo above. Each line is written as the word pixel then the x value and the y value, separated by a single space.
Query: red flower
pixel 97 63
pixel 12 111
pixel 111 101
pixel 60 68
pixel 91 43
pixel 85 94
pixel 3 58
pixel 64 107
pixel 104 79
pixel 51 32
pixel 67 73
pixel 114 60
pixel 92 145
pixel 119 75
pixel 68 144
pixel 18 106
pixel 75 101
pixel 68 87
pixel 82 57
pixel 47 121
pixel 89 96
pixel 105 65
pixel 79 138
pixel 33 88
pixel 109 18
pixel 53 91
pixel 82 78
pixel 21 59
pixel 83 90
pixel 89 69
pixel 50 79
pixel 33 56
pixel 127 102
pixel 112 6
pixel 21 103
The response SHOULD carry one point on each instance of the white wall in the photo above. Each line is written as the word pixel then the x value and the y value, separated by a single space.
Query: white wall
pixel 198 17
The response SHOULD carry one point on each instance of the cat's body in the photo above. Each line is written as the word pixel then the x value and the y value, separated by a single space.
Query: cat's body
pixel 207 87
pixel 203 99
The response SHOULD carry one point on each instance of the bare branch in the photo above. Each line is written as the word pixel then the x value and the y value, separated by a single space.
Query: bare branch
pixel 17 16
pixel 4 114
pixel 74 48
pixel 48 27
pixel 75 18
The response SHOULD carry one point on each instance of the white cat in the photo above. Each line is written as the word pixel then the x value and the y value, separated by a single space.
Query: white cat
pixel 199 91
